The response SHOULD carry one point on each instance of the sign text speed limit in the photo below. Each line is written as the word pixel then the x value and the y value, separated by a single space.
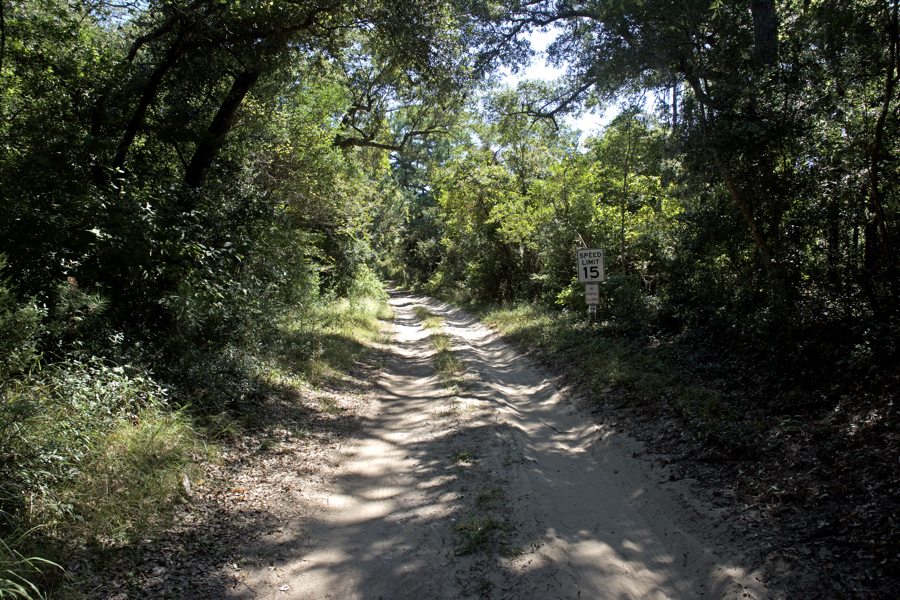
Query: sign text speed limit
pixel 590 265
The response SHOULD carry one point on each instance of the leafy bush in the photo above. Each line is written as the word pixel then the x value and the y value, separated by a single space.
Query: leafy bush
pixel 366 284
pixel 623 301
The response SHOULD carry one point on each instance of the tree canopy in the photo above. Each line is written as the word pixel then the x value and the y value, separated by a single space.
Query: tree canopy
pixel 183 167
pixel 190 160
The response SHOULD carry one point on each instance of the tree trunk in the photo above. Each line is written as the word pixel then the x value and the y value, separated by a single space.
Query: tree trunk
pixel 2 40
pixel 137 118
pixel 888 254
pixel 765 29
pixel 759 241
pixel 761 245
pixel 674 106
pixel 198 169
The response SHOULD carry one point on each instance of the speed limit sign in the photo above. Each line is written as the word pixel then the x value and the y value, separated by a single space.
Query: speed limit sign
pixel 590 265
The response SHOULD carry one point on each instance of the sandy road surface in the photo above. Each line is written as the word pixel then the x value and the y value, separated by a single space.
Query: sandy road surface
pixel 500 489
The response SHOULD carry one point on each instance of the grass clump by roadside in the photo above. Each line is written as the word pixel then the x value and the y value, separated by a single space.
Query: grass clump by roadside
pixel 463 456
pixel 429 319
pixel 486 534
pixel 628 371
pixel 318 342
pixel 482 534
pixel 608 363
pixel 446 362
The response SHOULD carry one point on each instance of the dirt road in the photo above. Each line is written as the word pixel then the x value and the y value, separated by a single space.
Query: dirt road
pixel 498 488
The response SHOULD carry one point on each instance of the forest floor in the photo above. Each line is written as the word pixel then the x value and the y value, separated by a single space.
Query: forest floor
pixel 390 484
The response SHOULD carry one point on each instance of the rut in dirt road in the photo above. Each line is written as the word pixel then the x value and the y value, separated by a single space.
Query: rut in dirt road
pixel 498 488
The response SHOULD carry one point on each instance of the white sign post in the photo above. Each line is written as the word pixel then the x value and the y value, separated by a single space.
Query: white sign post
pixel 590 265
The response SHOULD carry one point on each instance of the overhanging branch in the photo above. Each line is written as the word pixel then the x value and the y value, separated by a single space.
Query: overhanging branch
pixel 369 142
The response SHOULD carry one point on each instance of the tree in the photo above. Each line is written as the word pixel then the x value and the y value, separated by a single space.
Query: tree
pixel 755 78
pixel 194 160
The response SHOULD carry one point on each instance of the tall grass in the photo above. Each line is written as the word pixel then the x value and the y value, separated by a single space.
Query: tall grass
pixel 91 453
pixel 17 571
pixel 321 341
pixel 137 469
pixel 95 453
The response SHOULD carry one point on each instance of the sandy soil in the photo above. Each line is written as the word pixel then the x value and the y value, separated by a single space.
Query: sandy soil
pixel 499 488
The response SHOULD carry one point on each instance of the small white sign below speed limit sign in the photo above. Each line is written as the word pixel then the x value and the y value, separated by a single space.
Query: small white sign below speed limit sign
pixel 590 265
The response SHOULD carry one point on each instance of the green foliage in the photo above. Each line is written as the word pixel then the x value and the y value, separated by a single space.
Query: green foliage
pixel 756 207
pixel 759 195
pixel 176 181
pixel 19 329
pixel 91 442
pixel 516 207
pixel 486 209
pixel 17 571
pixel 94 452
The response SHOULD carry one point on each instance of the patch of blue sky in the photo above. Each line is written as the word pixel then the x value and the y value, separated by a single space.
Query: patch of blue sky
pixel 589 123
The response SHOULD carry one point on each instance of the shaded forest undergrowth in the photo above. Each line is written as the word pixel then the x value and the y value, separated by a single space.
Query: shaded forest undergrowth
pixel 803 450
